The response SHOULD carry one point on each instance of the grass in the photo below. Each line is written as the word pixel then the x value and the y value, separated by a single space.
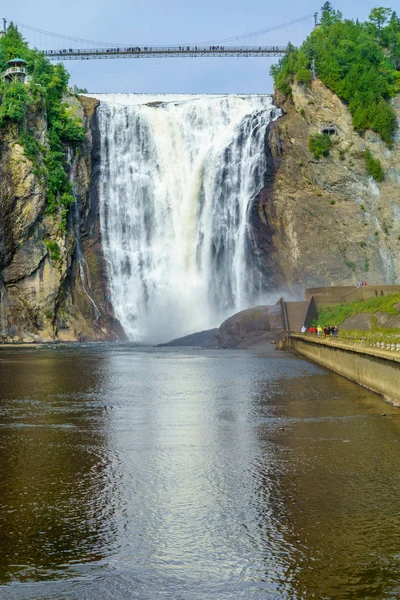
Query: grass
pixel 339 313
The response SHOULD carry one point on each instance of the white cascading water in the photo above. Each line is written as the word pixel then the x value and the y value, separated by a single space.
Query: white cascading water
pixel 178 176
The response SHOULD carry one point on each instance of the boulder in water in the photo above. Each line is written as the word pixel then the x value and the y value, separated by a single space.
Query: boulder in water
pixel 205 339
pixel 251 327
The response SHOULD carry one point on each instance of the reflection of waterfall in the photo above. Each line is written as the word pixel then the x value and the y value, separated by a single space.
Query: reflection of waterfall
pixel 178 175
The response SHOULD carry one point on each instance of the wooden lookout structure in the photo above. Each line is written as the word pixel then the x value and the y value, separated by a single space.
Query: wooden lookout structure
pixel 16 71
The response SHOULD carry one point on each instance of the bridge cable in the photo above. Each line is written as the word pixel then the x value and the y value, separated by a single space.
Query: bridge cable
pixel 239 37
pixel 262 31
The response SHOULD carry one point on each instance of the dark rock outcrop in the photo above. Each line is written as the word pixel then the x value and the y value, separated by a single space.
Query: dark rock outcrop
pixel 205 339
pixel 251 327
pixel 45 296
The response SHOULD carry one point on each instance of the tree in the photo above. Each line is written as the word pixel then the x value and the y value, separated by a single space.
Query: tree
pixel 379 16
pixel 303 75
pixel 390 39
pixel 327 11
pixel 44 93
pixel 352 65
pixel 329 15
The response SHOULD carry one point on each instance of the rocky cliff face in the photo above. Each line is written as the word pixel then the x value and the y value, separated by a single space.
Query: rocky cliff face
pixel 316 222
pixel 319 222
pixel 52 282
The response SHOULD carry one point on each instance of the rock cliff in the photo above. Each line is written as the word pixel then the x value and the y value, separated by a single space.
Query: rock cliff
pixel 316 222
pixel 52 282
pixel 319 222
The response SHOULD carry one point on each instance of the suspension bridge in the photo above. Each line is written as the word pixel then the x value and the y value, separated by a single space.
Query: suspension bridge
pixel 81 49
pixel 164 52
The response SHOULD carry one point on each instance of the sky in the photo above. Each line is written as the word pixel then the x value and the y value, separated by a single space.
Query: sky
pixel 171 22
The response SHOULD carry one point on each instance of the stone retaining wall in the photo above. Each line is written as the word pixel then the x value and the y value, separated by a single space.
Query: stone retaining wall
pixel 375 369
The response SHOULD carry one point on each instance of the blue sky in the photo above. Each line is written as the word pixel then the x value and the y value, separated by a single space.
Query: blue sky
pixel 163 22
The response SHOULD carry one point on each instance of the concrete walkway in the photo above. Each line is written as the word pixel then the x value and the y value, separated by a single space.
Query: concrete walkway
pixel 346 345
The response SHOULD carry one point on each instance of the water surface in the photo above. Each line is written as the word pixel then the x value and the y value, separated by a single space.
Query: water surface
pixel 146 474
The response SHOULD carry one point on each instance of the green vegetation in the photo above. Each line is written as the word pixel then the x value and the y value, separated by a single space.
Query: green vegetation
pixel 374 167
pixel 358 61
pixel 44 93
pixel 54 250
pixel 79 90
pixel 320 144
pixel 339 313
pixel 15 100
pixel 351 265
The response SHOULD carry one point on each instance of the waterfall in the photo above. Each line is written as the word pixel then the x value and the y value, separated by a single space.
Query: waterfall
pixel 177 179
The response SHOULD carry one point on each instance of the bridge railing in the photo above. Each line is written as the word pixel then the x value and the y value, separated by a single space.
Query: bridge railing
pixel 163 51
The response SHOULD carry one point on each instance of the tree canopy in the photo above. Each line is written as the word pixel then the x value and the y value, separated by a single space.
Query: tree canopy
pixel 358 61
pixel 47 87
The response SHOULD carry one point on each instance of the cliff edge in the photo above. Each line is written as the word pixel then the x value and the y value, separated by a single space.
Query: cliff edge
pixel 52 274
pixel 320 222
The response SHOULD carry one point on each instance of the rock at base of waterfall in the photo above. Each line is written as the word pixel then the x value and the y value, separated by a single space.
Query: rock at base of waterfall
pixel 205 339
pixel 252 327
pixel 257 327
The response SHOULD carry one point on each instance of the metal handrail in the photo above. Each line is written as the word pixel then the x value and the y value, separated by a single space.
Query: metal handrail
pixel 165 51
pixel 387 343
pixel 11 70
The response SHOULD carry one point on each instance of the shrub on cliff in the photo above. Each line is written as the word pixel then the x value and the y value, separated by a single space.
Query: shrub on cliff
pixel 320 144
pixel 358 61
pixel 54 250
pixel 48 85
pixel 15 100
pixel 374 167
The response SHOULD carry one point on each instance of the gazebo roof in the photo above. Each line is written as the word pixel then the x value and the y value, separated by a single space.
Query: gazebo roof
pixel 20 61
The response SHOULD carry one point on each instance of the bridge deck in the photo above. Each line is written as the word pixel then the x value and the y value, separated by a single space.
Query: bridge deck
pixel 165 52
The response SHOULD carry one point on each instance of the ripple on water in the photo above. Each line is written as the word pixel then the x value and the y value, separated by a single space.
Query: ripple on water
pixel 128 474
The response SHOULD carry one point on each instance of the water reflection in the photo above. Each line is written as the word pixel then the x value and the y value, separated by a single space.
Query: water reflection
pixel 339 475
pixel 55 486
pixel 196 475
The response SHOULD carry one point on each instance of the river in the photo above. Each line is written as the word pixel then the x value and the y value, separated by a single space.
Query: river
pixel 139 473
